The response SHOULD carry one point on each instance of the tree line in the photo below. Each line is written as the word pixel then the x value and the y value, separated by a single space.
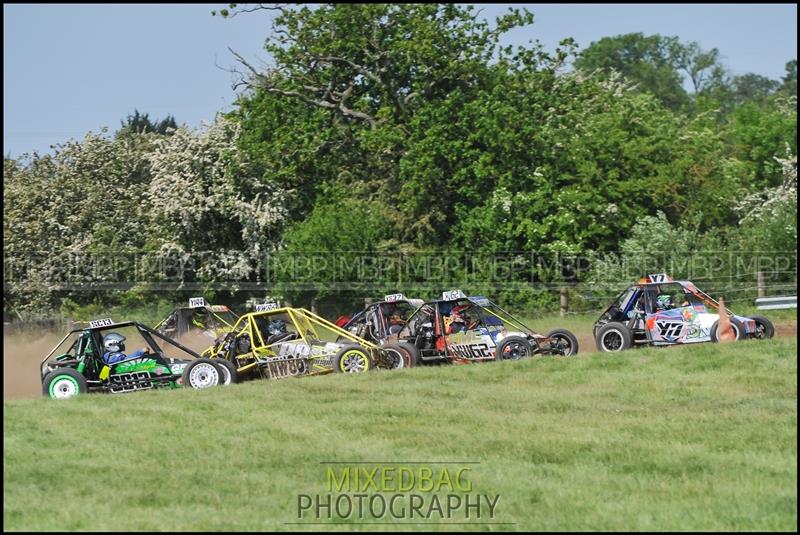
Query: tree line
pixel 411 130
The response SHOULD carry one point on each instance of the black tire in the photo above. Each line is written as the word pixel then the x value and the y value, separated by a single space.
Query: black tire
pixel 64 383
pixel 201 373
pixel 398 358
pixel 409 351
pixel 738 329
pixel 764 328
pixel 613 337
pixel 567 342
pixel 228 369
pixel 352 359
pixel 513 348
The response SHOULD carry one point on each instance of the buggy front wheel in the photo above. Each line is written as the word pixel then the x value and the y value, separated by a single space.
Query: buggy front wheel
pixel 228 370
pixel 764 328
pixel 201 373
pixel 352 359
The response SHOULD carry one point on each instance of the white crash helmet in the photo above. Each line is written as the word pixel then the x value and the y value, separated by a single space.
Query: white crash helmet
pixel 114 342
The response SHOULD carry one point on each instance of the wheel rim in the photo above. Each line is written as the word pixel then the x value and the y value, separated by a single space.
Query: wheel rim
pixel 398 359
pixel 204 375
pixel 612 340
pixel 353 362
pixel 563 344
pixel 63 387
pixel 226 375
pixel 761 331
pixel 514 351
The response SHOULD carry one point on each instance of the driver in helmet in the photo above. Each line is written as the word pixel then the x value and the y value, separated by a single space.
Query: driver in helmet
pixel 114 349
pixel 276 330
pixel 396 322
pixel 455 322
pixel 201 320
pixel 664 302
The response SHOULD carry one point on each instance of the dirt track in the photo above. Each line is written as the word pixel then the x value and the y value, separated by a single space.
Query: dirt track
pixel 22 355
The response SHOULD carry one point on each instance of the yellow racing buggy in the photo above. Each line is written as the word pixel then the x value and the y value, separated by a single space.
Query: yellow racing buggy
pixel 277 342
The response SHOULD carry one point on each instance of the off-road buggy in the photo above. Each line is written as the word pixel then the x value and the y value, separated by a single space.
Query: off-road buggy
pixel 277 342
pixel 80 363
pixel 209 320
pixel 461 329
pixel 379 320
pixel 658 310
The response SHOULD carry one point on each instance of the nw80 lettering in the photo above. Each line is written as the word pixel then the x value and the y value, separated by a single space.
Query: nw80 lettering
pixel 472 351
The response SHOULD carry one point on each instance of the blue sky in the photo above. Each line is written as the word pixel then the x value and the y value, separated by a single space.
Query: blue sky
pixel 69 69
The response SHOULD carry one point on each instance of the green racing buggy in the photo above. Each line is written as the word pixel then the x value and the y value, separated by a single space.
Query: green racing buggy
pixel 94 359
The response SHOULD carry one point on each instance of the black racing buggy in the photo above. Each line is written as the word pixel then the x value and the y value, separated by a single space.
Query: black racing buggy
pixel 212 321
pixel 380 320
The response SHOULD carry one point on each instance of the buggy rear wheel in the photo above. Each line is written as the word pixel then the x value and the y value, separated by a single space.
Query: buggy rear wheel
pixel 398 358
pixel 613 337
pixel 409 351
pixel 566 343
pixel 64 383
pixel 738 330
pixel 513 348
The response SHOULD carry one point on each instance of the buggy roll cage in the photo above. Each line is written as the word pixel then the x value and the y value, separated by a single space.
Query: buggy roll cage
pixel 300 317
pixel 144 330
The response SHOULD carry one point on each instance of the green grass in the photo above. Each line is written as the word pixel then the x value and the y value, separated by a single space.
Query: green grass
pixel 689 438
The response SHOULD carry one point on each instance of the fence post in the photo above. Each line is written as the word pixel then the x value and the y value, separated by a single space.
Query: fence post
pixel 762 290
pixel 314 305
pixel 564 302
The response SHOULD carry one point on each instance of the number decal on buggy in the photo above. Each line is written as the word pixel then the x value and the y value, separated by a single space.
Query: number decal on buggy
pixel 100 323
pixel 197 302
pixel 472 351
pixel 451 295
pixel 263 307
pixel 394 297
pixel 128 382
pixel 669 330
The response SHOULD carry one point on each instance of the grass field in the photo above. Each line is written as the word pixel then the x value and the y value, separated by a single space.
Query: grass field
pixel 689 438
